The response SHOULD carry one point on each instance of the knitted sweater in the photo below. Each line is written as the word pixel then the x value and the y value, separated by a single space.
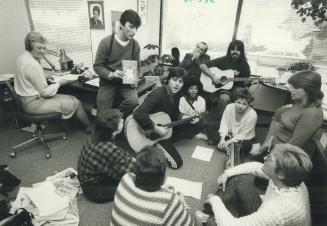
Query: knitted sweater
pixel 287 207
pixel 133 206
pixel 108 60
pixel 159 100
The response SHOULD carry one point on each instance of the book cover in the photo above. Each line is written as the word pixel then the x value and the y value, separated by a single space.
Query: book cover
pixel 130 71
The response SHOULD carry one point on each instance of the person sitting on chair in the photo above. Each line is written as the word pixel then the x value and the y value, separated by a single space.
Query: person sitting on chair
pixel 192 61
pixel 141 199
pixel 286 201
pixel 238 122
pixel 101 163
pixel 297 123
pixel 36 96
pixel 163 99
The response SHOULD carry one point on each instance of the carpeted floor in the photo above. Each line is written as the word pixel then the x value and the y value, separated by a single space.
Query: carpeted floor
pixel 31 166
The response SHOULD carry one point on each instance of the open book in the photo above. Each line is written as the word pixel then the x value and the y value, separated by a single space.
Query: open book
pixel 130 70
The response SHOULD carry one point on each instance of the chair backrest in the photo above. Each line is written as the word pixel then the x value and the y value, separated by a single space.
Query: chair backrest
pixel 18 107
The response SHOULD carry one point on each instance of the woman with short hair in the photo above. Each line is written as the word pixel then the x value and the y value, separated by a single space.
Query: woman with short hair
pixel 297 123
pixel 31 86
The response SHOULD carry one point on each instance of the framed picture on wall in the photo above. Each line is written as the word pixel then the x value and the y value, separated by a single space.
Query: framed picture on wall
pixel 96 15
pixel 142 10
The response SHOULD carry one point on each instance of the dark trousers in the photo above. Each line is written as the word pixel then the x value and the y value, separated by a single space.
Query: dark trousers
pixel 174 159
pixel 100 192
pixel 241 197
pixel 188 130
pixel 125 97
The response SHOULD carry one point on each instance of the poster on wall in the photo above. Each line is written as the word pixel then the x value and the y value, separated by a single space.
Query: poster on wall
pixel 142 10
pixel 96 15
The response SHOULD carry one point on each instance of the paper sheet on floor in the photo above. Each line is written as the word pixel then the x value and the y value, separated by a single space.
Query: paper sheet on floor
pixel 44 195
pixel 186 187
pixel 202 153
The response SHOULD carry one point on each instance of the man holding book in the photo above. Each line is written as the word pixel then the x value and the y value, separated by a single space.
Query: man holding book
pixel 112 54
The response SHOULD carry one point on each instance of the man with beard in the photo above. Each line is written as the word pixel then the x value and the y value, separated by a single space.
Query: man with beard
pixel 235 60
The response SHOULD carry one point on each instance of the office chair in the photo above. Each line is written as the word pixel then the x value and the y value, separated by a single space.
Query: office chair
pixel 37 119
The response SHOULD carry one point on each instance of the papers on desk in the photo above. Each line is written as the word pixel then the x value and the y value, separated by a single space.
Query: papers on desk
pixel 186 187
pixel 202 153
pixel 69 77
pixel 93 82
pixel 6 77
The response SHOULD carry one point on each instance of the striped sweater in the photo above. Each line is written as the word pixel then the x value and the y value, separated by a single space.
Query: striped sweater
pixel 133 206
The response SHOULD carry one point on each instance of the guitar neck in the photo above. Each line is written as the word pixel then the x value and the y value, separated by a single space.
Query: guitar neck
pixel 251 79
pixel 180 122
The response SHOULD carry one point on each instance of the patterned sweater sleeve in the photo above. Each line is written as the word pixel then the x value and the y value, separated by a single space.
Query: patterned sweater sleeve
pixel 178 213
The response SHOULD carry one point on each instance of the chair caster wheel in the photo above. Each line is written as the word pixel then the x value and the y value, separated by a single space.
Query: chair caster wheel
pixel 48 155
pixel 64 137
pixel 12 155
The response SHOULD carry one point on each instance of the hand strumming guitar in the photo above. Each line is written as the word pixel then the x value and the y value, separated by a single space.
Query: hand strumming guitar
pixel 215 79
pixel 160 130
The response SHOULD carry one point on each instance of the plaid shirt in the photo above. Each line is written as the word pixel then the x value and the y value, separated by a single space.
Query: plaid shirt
pixel 101 160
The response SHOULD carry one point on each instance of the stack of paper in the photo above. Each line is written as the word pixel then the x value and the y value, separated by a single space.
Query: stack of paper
pixel 46 200
pixel 53 201
pixel 186 187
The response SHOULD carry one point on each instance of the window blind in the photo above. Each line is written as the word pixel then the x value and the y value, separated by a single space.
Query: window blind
pixel 65 24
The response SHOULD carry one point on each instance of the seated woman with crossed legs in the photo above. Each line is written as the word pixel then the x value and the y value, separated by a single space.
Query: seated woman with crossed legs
pixel 296 123
pixel 31 86
pixel 285 202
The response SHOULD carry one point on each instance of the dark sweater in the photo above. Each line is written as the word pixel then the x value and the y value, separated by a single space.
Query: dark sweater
pixel 193 66
pixel 225 63
pixel 159 100
pixel 107 60
pixel 296 125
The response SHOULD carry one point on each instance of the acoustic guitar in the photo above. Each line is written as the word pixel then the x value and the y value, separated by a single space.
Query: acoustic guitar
pixel 227 79
pixel 138 138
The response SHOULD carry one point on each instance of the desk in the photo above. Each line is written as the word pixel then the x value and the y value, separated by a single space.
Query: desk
pixel 269 97
pixel 88 94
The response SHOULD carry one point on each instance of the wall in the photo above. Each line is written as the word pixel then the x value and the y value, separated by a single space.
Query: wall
pixel 146 33
pixel 14 26
pixel 13 34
